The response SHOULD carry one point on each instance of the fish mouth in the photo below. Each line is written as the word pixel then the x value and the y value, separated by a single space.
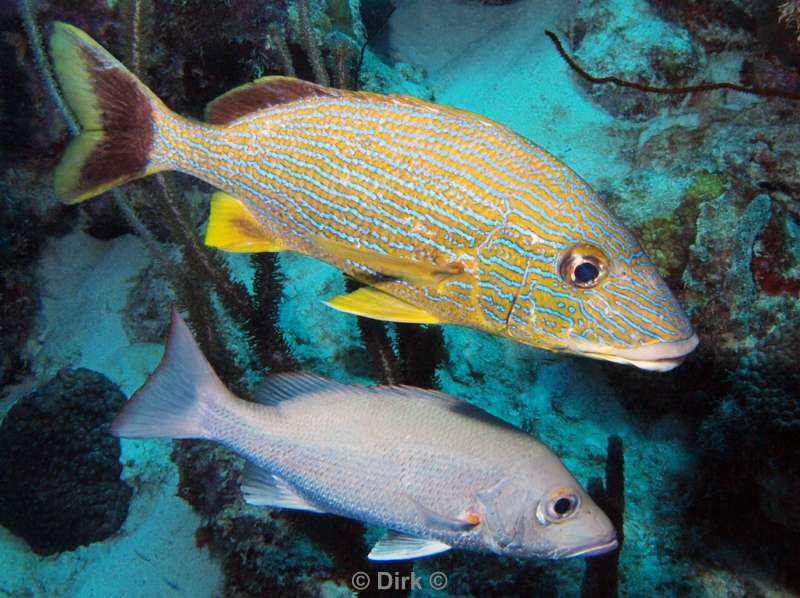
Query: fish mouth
pixel 661 357
pixel 591 549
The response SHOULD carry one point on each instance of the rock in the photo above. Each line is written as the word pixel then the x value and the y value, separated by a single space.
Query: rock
pixel 608 39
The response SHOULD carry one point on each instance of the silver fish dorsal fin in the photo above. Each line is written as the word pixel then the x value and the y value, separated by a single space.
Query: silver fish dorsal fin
pixel 395 546
pixel 260 94
pixel 264 489
pixel 278 388
pixel 285 387
pixel 461 406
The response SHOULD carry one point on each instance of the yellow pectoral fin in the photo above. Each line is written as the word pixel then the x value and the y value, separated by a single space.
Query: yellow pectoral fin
pixel 232 227
pixel 417 273
pixel 375 304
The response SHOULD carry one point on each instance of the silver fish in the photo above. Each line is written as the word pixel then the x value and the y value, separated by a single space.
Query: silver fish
pixel 435 470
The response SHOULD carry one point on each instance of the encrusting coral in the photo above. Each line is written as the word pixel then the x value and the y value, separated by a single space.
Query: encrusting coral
pixel 60 484
pixel 789 12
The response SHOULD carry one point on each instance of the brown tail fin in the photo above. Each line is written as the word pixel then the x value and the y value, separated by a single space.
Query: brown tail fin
pixel 115 110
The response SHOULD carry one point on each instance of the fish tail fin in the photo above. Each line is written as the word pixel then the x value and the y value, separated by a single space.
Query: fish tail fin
pixel 116 112
pixel 178 398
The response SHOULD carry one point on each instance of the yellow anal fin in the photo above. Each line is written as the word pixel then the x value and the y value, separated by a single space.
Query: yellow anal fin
pixel 417 273
pixel 232 227
pixel 372 303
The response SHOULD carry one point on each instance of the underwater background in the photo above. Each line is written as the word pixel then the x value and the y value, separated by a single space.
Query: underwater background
pixel 699 467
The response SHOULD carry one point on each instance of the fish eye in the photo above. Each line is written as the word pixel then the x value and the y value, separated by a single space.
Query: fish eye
pixel 583 266
pixel 562 504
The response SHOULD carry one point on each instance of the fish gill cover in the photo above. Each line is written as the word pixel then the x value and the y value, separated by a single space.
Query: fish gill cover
pixel 708 182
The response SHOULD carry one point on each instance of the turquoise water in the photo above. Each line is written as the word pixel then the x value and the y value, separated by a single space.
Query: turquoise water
pixel 697 467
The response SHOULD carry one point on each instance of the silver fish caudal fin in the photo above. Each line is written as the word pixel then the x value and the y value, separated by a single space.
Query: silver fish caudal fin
pixel 397 547
pixel 171 402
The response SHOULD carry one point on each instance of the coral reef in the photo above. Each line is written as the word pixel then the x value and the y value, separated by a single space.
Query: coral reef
pixel 667 239
pixel 490 575
pixel 18 289
pixel 59 476
pixel 209 475
pixel 17 108
pixel 789 13
pixel 726 239
pixel 749 474
pixel 755 28
pixel 145 320
pixel 730 248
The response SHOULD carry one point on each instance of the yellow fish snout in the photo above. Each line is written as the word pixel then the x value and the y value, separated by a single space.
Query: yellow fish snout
pixel 603 305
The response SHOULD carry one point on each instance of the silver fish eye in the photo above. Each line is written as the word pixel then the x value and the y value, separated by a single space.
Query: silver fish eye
pixel 560 506
pixel 583 266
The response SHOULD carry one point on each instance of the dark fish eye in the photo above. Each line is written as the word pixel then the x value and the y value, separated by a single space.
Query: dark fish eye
pixel 583 266
pixel 586 272
pixel 562 504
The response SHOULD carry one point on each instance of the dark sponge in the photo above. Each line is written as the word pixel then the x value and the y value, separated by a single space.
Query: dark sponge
pixel 59 471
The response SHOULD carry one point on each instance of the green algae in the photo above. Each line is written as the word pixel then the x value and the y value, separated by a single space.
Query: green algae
pixel 705 186
pixel 667 239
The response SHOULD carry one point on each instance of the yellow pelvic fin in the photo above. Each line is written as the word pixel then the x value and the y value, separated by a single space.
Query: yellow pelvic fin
pixel 232 227
pixel 372 303
pixel 417 273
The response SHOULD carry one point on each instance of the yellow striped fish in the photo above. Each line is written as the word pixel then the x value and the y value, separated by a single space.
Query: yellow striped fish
pixel 447 216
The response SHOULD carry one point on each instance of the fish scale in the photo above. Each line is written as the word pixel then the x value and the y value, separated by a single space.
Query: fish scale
pixel 449 216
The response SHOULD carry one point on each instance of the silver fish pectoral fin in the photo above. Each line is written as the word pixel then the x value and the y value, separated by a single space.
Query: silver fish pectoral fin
pixel 264 489
pixel 396 547
pixel 435 520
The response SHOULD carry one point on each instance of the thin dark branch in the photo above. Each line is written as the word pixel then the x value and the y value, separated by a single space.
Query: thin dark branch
pixel 601 578
pixel 385 362
pixel 759 91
